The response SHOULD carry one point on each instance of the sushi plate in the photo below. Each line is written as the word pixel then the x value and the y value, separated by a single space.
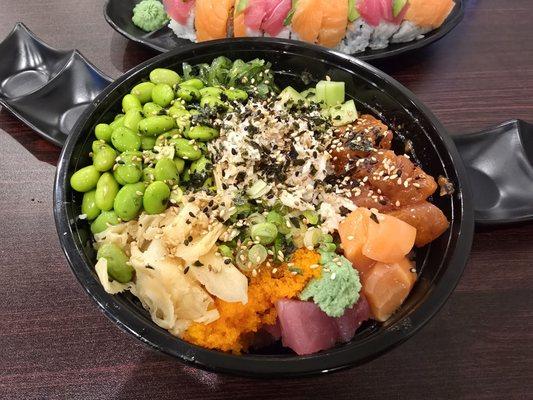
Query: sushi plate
pixel 118 14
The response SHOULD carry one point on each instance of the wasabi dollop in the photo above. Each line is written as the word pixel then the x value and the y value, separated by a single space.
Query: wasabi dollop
pixel 337 288
pixel 149 15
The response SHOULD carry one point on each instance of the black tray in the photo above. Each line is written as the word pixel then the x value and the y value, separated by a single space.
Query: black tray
pixel 48 89
pixel 118 14
pixel 45 88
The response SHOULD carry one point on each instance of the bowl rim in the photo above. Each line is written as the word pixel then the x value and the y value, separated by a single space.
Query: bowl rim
pixel 260 365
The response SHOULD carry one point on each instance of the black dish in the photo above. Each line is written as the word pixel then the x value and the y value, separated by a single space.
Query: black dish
pixel 440 264
pixel 118 14
pixel 32 73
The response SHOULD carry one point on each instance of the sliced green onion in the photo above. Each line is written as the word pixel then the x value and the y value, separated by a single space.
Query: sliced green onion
pixel 257 254
pixel 258 189
pixel 264 233
pixel 256 218
pixel 312 237
pixel 225 250
pixel 328 247
pixel 326 238
pixel 311 217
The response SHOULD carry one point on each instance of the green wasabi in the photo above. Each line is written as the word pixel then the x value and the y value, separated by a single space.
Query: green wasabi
pixel 149 15
pixel 338 287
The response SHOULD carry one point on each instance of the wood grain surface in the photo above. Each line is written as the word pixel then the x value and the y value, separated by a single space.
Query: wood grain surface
pixel 56 344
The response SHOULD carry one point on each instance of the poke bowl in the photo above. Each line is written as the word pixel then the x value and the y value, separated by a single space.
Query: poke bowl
pixel 409 130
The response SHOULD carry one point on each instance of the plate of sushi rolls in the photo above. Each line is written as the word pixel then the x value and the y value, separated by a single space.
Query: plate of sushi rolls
pixel 368 29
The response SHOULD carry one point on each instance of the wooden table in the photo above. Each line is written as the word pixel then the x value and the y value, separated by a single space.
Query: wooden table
pixel 56 344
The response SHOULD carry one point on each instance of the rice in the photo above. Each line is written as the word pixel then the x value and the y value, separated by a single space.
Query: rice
pixel 186 31
pixel 381 35
pixel 408 32
pixel 357 37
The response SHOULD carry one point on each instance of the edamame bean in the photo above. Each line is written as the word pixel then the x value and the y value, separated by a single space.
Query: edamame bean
pixel 129 167
pixel 106 190
pixel 117 262
pixel 212 102
pixel 156 197
pixel 85 179
pixel 162 94
pixel 148 174
pixel 104 159
pixel 88 205
pixel 143 91
pixel 236 94
pixel 156 125
pixel 118 122
pixel 203 133
pixel 164 75
pixel 125 139
pixel 150 109
pixel 132 119
pixel 188 93
pixel 128 201
pixel 186 150
pixel 265 232
pixel 182 118
pixel 97 145
pixel 103 132
pixel 103 221
pixel 211 91
pixel 147 142
pixel 117 177
pixel 193 82
pixel 131 102
pixel 166 171
pixel 180 164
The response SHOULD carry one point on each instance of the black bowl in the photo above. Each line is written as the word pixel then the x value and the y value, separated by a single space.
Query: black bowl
pixel 440 264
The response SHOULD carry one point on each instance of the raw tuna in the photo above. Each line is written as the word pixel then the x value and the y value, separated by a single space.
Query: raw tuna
pixel 274 330
pixel 352 319
pixel 306 329
pixel 255 13
pixel 179 10
pixel 371 11
pixel 277 11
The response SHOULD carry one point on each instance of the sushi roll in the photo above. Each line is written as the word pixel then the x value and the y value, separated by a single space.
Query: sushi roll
pixel 350 26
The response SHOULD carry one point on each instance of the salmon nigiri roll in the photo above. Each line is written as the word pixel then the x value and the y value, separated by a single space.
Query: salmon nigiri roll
pixel 307 20
pixel 334 22
pixel 350 26
pixel 212 18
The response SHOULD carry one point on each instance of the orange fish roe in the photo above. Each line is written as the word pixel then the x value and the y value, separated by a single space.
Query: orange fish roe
pixel 238 322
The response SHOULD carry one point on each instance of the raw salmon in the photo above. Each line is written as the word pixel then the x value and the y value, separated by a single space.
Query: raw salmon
pixel 389 239
pixel 334 22
pixel 429 13
pixel 386 286
pixel 211 19
pixel 307 20
pixel 353 232
pixel 429 221
pixel 239 27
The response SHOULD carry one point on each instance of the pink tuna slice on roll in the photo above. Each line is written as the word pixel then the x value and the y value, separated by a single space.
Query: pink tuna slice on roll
pixel 255 13
pixel 179 10
pixel 277 11
pixel 387 12
pixel 306 329
pixel 371 11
